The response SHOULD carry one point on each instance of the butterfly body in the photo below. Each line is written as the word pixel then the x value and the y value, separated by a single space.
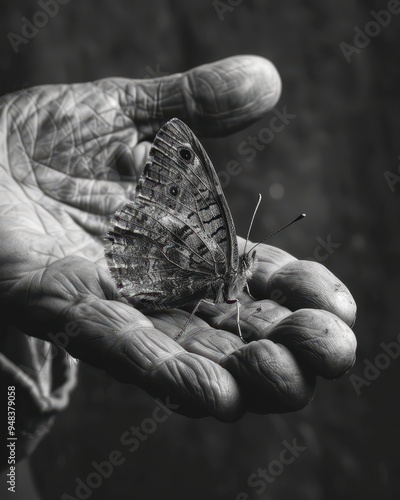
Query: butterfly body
pixel 175 242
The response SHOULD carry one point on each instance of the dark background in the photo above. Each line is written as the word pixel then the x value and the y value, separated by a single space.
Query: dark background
pixel 329 161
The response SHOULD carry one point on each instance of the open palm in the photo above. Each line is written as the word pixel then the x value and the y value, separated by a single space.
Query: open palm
pixel 70 156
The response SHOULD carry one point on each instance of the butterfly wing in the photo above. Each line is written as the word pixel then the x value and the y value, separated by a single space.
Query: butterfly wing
pixel 176 239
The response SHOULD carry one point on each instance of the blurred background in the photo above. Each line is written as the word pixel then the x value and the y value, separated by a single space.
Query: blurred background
pixel 336 160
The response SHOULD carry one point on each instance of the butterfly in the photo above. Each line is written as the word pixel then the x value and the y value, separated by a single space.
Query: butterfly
pixel 175 242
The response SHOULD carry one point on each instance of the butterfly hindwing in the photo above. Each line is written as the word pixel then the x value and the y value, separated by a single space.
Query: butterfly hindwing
pixel 150 260
pixel 143 270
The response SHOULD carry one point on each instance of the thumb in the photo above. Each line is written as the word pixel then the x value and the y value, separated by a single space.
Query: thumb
pixel 213 99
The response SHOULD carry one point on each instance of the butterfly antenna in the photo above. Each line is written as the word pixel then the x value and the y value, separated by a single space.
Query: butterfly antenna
pixel 252 221
pixel 299 217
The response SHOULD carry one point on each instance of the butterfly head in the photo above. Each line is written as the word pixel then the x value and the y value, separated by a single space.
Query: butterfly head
pixel 236 280
pixel 247 264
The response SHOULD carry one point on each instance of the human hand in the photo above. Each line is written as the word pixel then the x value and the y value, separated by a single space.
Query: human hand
pixel 297 328
pixel 71 155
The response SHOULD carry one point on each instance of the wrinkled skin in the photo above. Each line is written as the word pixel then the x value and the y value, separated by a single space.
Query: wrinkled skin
pixel 70 156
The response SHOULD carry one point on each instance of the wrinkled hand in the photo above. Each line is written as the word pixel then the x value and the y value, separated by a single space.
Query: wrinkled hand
pixel 70 156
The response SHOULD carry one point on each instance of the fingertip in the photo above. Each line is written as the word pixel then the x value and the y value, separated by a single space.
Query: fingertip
pixel 308 284
pixel 268 76
pixel 229 95
pixel 321 341
pixel 202 386
pixel 274 380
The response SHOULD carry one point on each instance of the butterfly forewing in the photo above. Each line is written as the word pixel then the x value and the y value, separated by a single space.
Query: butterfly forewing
pixel 172 243
pixel 199 176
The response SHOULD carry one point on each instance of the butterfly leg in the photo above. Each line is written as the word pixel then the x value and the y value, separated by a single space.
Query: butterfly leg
pixel 233 301
pixel 238 321
pixel 248 291
pixel 212 303
pixel 190 317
